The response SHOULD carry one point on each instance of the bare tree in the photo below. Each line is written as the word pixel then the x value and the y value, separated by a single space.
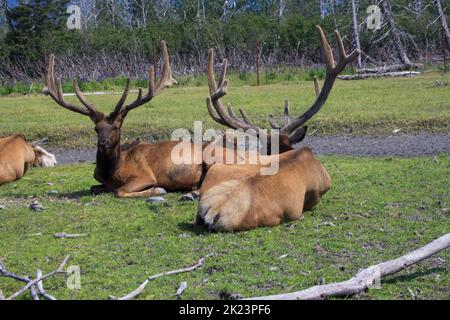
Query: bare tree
pixel 281 8
pixel 356 30
pixel 401 52
pixel 443 20
pixel 143 8
pixel 322 9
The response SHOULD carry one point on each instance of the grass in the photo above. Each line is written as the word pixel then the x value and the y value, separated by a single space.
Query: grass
pixel 382 208
pixel 376 106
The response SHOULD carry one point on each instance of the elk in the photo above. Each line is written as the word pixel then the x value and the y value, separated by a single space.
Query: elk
pixel 17 156
pixel 139 169
pixel 238 197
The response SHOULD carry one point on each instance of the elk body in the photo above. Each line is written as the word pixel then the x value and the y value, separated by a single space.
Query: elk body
pixel 17 156
pixel 239 197
pixel 140 169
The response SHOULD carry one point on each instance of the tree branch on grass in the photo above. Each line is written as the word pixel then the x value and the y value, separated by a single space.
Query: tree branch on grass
pixel 40 287
pixel 141 288
pixel 365 278
pixel 62 235
pixel 31 283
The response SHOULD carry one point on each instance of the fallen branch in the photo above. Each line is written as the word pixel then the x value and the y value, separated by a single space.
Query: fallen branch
pixel 30 283
pixel 366 277
pixel 363 76
pixel 62 235
pixel 141 288
pixel 395 67
pixel 40 287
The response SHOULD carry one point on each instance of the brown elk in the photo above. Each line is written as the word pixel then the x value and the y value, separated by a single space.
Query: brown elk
pixel 140 169
pixel 17 156
pixel 239 197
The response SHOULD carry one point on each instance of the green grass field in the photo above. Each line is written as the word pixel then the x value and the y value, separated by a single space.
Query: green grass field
pixel 355 107
pixel 380 209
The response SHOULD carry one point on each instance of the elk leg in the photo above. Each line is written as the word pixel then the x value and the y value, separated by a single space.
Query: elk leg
pixel 139 188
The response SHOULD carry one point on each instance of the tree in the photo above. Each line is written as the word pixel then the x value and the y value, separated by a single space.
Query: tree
pixel 356 30
pixel 400 50
pixel 443 20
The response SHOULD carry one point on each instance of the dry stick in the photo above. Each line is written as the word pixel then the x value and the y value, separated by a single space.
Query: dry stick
pixel 141 288
pixel 34 293
pixel 366 277
pixel 2 297
pixel 39 279
pixel 40 287
pixel 62 235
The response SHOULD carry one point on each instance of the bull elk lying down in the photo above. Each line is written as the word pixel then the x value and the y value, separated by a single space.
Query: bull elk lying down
pixel 17 156
pixel 239 197
pixel 140 169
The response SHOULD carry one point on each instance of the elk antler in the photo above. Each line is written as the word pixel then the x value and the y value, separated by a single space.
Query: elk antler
pixel 57 94
pixel 225 117
pixel 153 89
pixel 292 127
pixel 90 110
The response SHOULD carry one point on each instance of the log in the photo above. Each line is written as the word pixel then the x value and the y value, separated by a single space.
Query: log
pixel 363 76
pixel 365 278
pixel 391 68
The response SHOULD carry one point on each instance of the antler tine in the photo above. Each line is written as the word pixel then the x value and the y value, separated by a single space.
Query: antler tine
pixel 287 116
pixel 82 98
pixel 153 89
pixel 56 93
pixel 166 76
pixel 327 51
pixel 316 87
pixel 123 98
pixel 217 91
pixel 245 116
pixel 293 129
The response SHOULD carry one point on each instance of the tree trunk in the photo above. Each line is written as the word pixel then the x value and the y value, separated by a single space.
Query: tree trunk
pixel 444 24
pixel 401 52
pixel 281 8
pixel 356 31
pixel 322 9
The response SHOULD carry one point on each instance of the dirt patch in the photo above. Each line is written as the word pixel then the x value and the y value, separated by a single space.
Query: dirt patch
pixel 422 144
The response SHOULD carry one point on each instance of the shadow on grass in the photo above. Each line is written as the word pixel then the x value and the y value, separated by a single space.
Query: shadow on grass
pixel 193 228
pixel 408 277
pixel 75 194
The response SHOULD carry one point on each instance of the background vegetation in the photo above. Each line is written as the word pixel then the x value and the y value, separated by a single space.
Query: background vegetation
pixel 121 37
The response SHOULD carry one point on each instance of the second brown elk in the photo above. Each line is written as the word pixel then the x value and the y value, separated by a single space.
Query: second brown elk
pixel 17 156
pixel 239 197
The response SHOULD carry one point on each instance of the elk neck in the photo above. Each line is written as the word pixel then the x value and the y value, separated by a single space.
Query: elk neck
pixel 109 160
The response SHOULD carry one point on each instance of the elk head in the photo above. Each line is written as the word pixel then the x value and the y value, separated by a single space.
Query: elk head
pixel 108 126
pixel 292 131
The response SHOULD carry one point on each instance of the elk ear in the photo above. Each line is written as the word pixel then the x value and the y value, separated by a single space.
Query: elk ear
pixel 298 135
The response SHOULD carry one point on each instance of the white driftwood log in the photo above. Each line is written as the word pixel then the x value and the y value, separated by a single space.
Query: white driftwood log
pixel 366 277
pixel 362 76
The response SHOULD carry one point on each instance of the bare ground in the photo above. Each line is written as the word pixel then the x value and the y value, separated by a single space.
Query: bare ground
pixel 404 145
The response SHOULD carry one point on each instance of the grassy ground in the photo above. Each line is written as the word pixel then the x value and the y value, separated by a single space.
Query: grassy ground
pixel 380 208
pixel 359 107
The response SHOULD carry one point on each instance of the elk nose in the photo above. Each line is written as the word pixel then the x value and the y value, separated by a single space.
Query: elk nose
pixel 103 143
